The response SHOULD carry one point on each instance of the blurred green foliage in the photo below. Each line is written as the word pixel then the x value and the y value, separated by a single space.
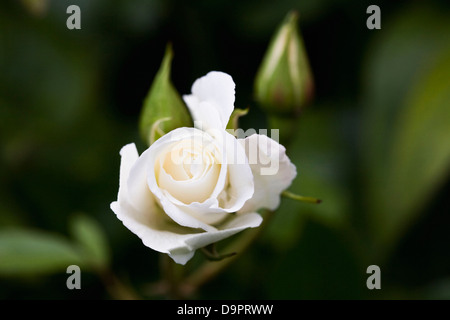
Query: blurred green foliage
pixel 374 145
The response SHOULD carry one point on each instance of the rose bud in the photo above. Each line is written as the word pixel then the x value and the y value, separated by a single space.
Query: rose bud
pixel 163 108
pixel 284 83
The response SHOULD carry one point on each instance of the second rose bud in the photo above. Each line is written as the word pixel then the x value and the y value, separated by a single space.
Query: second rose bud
pixel 284 82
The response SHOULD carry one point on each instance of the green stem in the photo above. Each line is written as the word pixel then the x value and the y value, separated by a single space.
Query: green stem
pixel 115 287
pixel 287 127
pixel 171 276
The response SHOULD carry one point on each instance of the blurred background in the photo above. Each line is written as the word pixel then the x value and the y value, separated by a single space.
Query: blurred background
pixel 374 144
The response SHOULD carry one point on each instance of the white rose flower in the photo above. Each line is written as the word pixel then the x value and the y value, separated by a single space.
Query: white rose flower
pixel 193 187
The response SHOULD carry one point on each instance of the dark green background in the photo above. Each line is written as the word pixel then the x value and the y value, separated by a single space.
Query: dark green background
pixel 373 145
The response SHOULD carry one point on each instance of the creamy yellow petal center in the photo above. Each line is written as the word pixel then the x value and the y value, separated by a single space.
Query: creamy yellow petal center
pixel 188 170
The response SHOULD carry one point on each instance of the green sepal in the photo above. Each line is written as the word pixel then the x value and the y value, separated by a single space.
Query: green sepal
pixel 163 105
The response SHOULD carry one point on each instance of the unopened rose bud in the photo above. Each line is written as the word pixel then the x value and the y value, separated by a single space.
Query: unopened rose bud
pixel 284 83
pixel 163 108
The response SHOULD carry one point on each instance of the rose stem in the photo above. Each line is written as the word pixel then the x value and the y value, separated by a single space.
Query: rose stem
pixel 115 288
pixel 209 270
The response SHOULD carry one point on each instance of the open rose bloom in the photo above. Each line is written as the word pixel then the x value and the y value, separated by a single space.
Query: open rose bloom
pixel 196 186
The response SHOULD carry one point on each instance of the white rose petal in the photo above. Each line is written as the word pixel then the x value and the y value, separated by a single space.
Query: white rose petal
pixel 241 184
pixel 273 172
pixel 155 228
pixel 138 192
pixel 192 209
pixel 212 100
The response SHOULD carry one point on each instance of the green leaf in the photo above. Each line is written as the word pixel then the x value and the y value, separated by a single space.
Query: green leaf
pixel 92 241
pixel 30 252
pixel 163 102
pixel 420 160
pixel 406 126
